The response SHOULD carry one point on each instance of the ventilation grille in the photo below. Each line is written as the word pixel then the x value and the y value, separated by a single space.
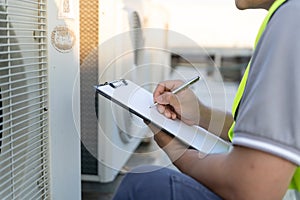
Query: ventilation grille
pixel 24 133
pixel 89 25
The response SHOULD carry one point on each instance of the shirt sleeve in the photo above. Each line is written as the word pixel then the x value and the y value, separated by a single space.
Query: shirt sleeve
pixel 269 112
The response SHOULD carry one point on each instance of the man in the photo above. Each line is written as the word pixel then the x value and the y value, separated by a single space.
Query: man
pixel 265 129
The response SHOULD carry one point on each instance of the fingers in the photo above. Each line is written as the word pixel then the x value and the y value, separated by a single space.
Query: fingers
pixel 160 89
pixel 166 100
pixel 161 138
pixel 166 86
pixel 153 127
pixel 166 110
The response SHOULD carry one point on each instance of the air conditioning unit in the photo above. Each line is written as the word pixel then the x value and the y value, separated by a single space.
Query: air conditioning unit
pixel 110 134
pixel 38 69
pixel 24 167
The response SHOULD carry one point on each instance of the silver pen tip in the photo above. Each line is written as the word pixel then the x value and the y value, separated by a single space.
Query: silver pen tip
pixel 153 105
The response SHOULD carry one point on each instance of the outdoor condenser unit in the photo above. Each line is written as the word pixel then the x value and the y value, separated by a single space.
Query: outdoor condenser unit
pixel 110 134
pixel 37 44
pixel 24 169
pixel 105 147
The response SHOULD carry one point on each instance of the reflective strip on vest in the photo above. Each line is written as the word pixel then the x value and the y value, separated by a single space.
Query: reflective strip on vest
pixel 295 184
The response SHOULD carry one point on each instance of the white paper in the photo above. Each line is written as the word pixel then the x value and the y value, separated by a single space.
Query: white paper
pixel 138 100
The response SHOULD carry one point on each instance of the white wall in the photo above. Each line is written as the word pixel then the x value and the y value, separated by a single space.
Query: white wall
pixel 213 23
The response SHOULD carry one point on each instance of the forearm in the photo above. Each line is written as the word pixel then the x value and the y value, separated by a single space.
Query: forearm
pixel 238 174
pixel 215 121
pixel 207 170
pixel 242 173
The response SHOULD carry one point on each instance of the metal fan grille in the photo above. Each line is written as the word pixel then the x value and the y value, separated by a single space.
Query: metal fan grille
pixel 24 162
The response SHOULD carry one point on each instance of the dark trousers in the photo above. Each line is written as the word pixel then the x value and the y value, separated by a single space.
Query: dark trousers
pixel 153 182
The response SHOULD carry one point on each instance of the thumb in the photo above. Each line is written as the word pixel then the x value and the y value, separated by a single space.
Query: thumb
pixel 167 98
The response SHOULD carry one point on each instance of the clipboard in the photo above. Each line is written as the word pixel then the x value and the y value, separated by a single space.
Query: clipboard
pixel 137 100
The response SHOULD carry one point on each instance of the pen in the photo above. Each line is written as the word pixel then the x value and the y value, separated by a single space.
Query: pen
pixel 182 87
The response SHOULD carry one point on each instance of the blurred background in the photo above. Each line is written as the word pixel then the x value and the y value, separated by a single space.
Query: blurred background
pixel 167 40
pixel 60 140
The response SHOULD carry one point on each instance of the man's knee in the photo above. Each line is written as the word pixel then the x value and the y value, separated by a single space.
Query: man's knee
pixel 144 182
pixel 146 175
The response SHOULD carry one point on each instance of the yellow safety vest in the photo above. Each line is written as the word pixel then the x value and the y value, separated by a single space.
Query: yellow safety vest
pixel 295 184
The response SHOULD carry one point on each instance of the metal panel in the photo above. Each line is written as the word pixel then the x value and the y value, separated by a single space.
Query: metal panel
pixel 24 168
pixel 105 147
pixel 64 102
pixel 89 30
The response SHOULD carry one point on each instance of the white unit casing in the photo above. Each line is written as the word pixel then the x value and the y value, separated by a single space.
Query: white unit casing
pixel 39 99
pixel 121 54
pixel 64 98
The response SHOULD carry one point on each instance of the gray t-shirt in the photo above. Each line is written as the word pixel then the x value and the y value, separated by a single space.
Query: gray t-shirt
pixel 269 112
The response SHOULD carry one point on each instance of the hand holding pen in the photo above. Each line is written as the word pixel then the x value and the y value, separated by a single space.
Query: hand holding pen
pixel 182 87
pixel 174 103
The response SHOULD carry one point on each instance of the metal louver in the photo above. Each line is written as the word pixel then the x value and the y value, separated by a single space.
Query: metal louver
pixel 24 162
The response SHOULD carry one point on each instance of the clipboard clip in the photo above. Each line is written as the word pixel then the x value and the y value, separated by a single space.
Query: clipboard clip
pixel 115 83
